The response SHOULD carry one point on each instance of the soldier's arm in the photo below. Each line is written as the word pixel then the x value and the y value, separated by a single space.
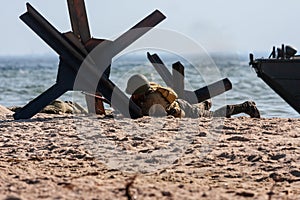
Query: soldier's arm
pixel 175 110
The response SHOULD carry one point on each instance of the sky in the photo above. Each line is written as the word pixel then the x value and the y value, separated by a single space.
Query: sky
pixel 233 26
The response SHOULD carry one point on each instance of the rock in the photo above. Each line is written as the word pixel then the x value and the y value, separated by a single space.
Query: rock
pixel 202 134
pixel 166 193
pixel 254 158
pixel 227 155
pixel 238 138
pixel 31 181
pixel 295 173
pixel 277 156
pixel 245 194
pixel 12 198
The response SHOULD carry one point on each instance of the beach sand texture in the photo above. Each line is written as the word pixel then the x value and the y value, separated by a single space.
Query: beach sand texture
pixel 45 158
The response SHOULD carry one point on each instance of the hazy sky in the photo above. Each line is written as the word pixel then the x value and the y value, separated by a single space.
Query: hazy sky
pixel 232 25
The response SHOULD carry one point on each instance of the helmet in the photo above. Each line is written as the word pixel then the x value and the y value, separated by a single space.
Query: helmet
pixel 137 84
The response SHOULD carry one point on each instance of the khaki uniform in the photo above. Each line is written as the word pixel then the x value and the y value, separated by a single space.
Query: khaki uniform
pixel 162 101
pixel 59 107
pixel 158 101
pixel 194 110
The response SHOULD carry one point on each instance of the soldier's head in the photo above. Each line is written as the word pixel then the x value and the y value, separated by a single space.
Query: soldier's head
pixel 137 84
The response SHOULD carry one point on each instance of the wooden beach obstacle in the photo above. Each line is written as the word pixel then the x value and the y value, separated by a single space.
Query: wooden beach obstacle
pixel 176 81
pixel 73 48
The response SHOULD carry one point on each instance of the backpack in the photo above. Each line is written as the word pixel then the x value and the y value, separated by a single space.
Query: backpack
pixel 168 93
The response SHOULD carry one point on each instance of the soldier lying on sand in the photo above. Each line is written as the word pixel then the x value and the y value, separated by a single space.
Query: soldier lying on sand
pixel 59 107
pixel 155 100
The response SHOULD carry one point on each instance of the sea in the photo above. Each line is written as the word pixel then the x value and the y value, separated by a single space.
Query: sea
pixel 23 78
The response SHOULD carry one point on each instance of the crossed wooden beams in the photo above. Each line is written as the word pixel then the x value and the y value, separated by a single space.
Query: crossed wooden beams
pixel 73 49
pixel 176 81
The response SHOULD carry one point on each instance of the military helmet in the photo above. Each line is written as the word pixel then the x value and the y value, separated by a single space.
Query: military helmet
pixel 137 84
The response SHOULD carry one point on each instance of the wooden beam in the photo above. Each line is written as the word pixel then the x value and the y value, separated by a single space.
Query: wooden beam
pixel 161 68
pixel 192 97
pixel 208 92
pixel 178 79
pixel 79 20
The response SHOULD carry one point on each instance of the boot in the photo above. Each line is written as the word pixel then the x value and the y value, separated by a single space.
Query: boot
pixel 248 107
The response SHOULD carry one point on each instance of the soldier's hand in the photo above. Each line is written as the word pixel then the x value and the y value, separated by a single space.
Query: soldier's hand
pixel 176 112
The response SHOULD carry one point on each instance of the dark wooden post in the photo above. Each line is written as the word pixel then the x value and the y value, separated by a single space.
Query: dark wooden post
pixel 178 79
pixel 161 68
pixel 79 20
pixel 81 31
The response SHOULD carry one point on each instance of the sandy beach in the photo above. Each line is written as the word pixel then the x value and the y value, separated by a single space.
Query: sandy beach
pixel 80 157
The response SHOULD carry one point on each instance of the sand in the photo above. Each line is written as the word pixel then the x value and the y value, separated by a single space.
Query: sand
pixel 80 157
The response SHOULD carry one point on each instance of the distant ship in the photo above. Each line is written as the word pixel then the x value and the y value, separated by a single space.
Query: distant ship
pixel 281 71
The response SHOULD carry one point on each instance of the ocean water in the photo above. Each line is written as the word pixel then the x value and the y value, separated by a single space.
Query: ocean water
pixel 24 78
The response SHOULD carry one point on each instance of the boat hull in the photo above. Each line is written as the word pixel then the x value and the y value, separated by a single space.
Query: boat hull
pixel 283 76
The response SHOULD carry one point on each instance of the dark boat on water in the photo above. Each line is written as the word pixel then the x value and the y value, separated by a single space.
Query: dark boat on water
pixel 281 71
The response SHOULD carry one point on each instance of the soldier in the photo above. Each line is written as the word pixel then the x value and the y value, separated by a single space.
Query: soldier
pixel 156 100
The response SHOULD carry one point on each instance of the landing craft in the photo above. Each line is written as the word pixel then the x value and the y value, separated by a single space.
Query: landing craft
pixel 281 71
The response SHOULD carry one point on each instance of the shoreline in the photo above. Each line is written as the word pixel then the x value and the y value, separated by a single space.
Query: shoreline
pixel 45 158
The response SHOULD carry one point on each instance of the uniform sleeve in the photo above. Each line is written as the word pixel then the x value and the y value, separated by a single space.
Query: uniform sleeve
pixel 175 110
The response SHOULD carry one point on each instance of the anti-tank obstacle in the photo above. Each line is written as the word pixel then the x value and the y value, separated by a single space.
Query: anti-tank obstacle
pixel 73 49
